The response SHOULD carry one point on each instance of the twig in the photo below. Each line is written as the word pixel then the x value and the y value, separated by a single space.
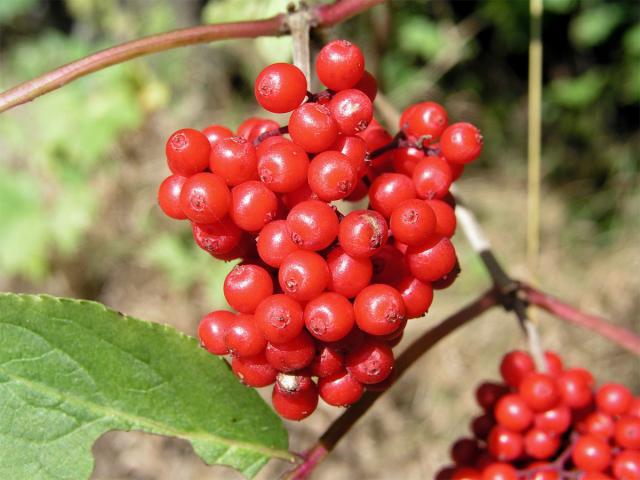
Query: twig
pixel 299 23
pixel 564 311
pixel 324 16
pixel 419 347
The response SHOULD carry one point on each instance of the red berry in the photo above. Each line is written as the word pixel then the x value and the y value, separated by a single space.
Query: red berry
pixel 465 451
pixel 432 178
pixel 424 119
pixel 416 296
pixel 205 198
pixel 541 444
pixel 256 128
pixel 216 132
pixel 217 238
pixel 388 265
pixel 445 217
pixel 515 366
pixel 540 391
pixel 504 444
pixel 512 412
pixel 293 354
pixel 461 473
pixel 313 225
pixel 331 176
pixel 303 275
pixel 543 471
pixel 575 389
pixel 294 397
pixel 246 286
pixel 488 394
pixel 363 233
pixel 187 152
pixel 327 361
pixel 613 398
pixel 432 259
pixel 254 371
pixel 355 149
pixel 412 222
pixel 590 453
pixel 274 243
pixel 388 191
pixel 280 87
pixel 553 363
pixel 253 205
pixel 368 85
pixel 234 159
pixel 556 420
pixel 340 65
pixel 279 317
pixel 634 409
pixel 461 143
pixel 599 424
pixel 352 110
pixel 212 330
pixel 329 317
pixel 283 167
pixel 379 309
pixel 626 465
pixel 406 159
pixel 243 337
pixel 269 142
pixel 627 433
pixel 169 196
pixel 340 389
pixel 482 425
pixel 349 275
pixel 312 127
pixel 353 340
pixel 499 471
pixel 371 362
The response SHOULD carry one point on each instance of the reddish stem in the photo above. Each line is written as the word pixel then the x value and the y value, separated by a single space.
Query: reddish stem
pixel 325 15
pixel 341 426
pixel 623 337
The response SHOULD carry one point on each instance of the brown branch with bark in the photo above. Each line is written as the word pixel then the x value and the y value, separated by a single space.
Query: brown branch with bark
pixel 323 16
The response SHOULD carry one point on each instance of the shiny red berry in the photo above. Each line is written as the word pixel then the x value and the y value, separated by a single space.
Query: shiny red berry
pixel 303 275
pixel 627 432
pixel 340 65
pixel 363 233
pixel 416 296
pixel 349 275
pixel 280 318
pixel 556 420
pixel 331 176
pixel 329 317
pixel 217 238
pixel 169 196
pixel 187 152
pixel 597 423
pixel 293 354
pixel 340 389
pixel 212 330
pixel 432 259
pixel 515 366
pixel 379 309
pixel 205 198
pixel 412 222
pixel 368 84
pixel 254 371
pixel 541 444
pixel 488 394
pixel 613 398
pixel 294 397
pixel 499 471
pixel 243 337
pixel 540 391
pixel 283 167
pixel 388 191
pixel 461 143
pixel 445 217
pixel 504 444
pixel 253 205
pixel 352 110
pixel 590 453
pixel 246 286
pixel 371 362
pixel 355 149
pixel 327 361
pixel 432 178
pixel 274 243
pixel 312 127
pixel 575 389
pixel 313 225
pixel 405 159
pixel 626 465
pixel 234 159
pixel 216 132
pixel 512 412
pixel 424 119
pixel 280 87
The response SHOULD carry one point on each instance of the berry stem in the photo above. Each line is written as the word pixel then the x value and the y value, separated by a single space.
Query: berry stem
pixel 323 16
pixel 393 144
pixel 341 426
pixel 571 314
pixel 270 133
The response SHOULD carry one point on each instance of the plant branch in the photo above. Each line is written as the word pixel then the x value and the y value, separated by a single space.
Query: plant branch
pixel 341 426
pixel 323 16
pixel 569 313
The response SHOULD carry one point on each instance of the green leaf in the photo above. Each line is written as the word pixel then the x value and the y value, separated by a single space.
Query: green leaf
pixel 420 36
pixel 594 25
pixel 578 92
pixel 71 370
pixel 559 6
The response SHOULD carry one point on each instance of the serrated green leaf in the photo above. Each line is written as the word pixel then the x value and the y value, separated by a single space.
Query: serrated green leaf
pixel 71 370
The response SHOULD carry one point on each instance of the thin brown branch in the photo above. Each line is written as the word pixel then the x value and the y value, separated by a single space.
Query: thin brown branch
pixel 341 426
pixel 623 337
pixel 324 16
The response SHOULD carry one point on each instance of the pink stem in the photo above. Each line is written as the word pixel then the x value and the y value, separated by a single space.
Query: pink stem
pixel 325 15
pixel 623 337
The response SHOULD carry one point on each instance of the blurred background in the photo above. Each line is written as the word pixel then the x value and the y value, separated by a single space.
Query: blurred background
pixel 79 170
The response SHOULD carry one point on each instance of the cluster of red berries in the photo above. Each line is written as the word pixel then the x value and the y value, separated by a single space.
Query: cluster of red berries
pixel 320 294
pixel 549 426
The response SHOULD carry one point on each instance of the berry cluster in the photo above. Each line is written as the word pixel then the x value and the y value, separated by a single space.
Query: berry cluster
pixel 549 426
pixel 320 294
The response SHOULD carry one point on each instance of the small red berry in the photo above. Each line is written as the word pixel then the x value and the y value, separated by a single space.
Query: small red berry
pixel 212 330
pixel 340 65
pixel 363 233
pixel 349 275
pixel 313 225
pixel 613 398
pixel 327 361
pixel 405 160
pixel 504 444
pixel 274 243
pixel 627 433
pixel 340 389
pixel 488 394
pixel 412 222
pixel 368 84
pixel 388 191
pixel 355 149
pixel 254 371
pixel 283 167
pixel 329 317
pixel 540 391
pixel 371 362
pixel 205 198
pixel 234 159
pixel 416 296
pixel 187 152
pixel 280 318
pixel 541 444
pixel 445 217
pixel 575 389
pixel 461 143
pixel 331 176
pixel 169 196
pixel 303 275
pixel 512 412
pixel 556 420
pixel 280 87
pixel 291 355
pixel 243 337
pixel 312 127
pixel 379 309
pixel 216 132
pixel 590 453
pixel 246 286
pixel 432 259
pixel 352 110
pixel 424 119
pixel 294 397
pixel 253 205
pixel 432 178
pixel 626 465
pixel 217 238
pixel 515 366
pixel 499 471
